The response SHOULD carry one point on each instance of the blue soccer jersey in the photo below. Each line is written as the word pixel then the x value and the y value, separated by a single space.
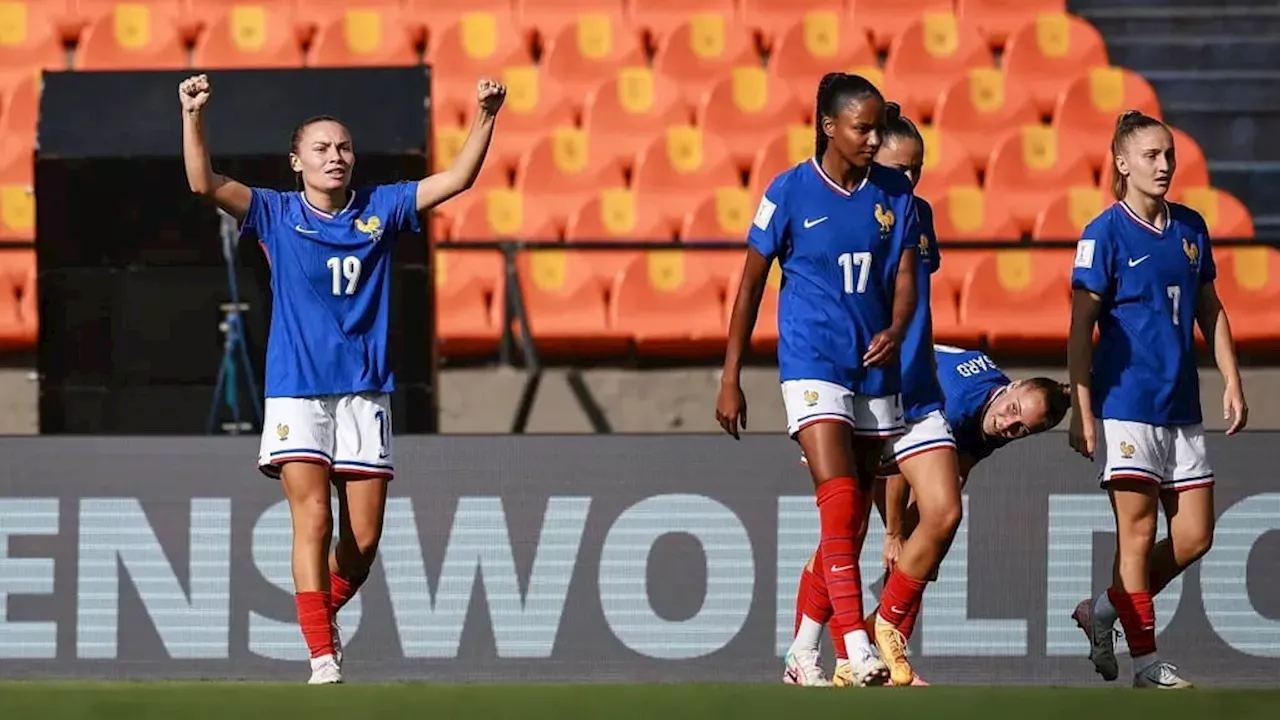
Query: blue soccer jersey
pixel 970 381
pixel 921 393
pixel 331 288
pixel 1144 365
pixel 839 252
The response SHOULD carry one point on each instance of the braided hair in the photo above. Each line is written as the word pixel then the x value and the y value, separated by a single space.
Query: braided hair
pixel 836 90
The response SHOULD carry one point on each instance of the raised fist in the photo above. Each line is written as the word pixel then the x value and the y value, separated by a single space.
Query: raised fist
pixel 490 94
pixel 194 93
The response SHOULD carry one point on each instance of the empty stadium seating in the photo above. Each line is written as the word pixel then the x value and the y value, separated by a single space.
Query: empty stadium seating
pixel 648 121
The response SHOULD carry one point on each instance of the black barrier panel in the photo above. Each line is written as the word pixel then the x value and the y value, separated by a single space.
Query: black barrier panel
pixel 584 560
pixel 250 112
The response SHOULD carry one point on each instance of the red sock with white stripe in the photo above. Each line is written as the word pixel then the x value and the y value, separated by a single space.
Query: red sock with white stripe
pixel 839 511
pixel 1138 618
pixel 341 589
pixel 901 593
pixel 314 621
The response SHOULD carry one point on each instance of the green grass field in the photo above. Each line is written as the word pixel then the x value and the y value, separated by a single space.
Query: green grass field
pixel 242 701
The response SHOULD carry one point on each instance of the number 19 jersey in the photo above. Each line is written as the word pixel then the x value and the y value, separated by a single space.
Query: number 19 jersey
pixel 839 252
pixel 331 288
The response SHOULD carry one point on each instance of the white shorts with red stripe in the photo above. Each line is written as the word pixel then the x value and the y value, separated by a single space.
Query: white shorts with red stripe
pixel 931 432
pixel 349 433
pixel 1171 456
pixel 813 401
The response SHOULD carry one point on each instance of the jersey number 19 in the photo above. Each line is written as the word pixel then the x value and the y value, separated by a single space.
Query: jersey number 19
pixel 858 263
pixel 347 268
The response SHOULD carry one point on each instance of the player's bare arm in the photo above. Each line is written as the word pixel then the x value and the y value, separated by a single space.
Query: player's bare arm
pixel 884 346
pixel 232 196
pixel 731 404
pixel 897 492
pixel 437 188
pixel 1211 316
pixel 1085 306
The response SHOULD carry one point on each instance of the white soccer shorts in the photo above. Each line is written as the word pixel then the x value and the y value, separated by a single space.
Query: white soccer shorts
pixel 931 432
pixel 812 401
pixel 1171 456
pixel 349 433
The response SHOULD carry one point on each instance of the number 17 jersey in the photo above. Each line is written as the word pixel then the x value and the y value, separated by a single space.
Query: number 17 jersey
pixel 331 288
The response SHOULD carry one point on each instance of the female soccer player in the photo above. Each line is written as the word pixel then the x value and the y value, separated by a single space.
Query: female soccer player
pixel 844 231
pixel 1144 275
pixel 925 453
pixel 328 414
pixel 986 411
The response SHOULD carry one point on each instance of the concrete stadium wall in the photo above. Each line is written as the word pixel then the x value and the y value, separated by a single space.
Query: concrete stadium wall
pixel 639 401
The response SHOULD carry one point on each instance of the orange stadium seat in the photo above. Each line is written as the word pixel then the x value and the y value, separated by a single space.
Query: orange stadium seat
pixel 764 338
pixel 957 262
pixel 657 18
pixel 1066 216
pixel 629 110
pixel 944 307
pixel 20 111
pixel 363 37
pixel 1020 300
pixel 670 304
pixel 1030 166
pixel 434 16
pixel 249 36
pixel 1045 54
pixel 676 167
pixel 550 17
pixel 314 15
pixel 479 44
pixel 702 50
pixel 582 55
pixel 616 214
pixel 812 46
pixel 997 20
pixel 565 298
pixel 1248 284
pixel 883 21
pixel 1223 213
pixel 927 56
pixel 60 13
pixel 502 214
pixel 784 151
pixel 723 214
pixel 17 192
pixel 1193 168
pixel 447 143
pixel 200 14
pixel 18 318
pixel 533 105
pixel 1086 110
pixel 768 17
pixel 132 37
pixel 470 301
pixel 965 212
pixel 945 163
pixel 30 36
pixel 744 109
pixel 560 171
pixel 975 105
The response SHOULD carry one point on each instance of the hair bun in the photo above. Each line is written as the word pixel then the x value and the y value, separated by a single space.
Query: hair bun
pixel 892 111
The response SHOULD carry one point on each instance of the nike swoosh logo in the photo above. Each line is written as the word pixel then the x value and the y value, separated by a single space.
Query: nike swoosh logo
pixel 840 568
pixel 810 223
pixel 1136 263
pixel 897 610
pixel 301 229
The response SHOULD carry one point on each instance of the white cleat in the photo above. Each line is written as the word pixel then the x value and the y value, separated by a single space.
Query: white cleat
pixel 1102 640
pixel 1160 676
pixel 803 669
pixel 866 669
pixel 325 671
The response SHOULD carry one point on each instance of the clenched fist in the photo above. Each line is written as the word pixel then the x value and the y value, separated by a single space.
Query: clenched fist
pixel 490 94
pixel 194 93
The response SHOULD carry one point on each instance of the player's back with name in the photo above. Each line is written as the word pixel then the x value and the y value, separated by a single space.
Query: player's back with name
pixel 331 279
pixel 969 379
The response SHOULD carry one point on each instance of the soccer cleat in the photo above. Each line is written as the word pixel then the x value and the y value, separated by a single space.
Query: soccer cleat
pixel 916 681
pixel 1102 640
pixel 843 676
pixel 1160 676
pixel 337 640
pixel 866 669
pixel 893 649
pixel 803 669
pixel 325 671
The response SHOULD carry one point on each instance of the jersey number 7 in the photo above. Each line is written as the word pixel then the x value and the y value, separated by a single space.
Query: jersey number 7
pixel 858 263
pixel 347 268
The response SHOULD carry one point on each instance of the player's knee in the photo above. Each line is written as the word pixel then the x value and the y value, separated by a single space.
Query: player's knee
pixel 1194 544
pixel 1136 539
pixel 312 520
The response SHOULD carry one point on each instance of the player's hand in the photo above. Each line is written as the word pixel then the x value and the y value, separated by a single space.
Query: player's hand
pixel 1083 435
pixel 883 349
pixel 491 94
pixel 892 549
pixel 731 408
pixel 194 93
pixel 1234 409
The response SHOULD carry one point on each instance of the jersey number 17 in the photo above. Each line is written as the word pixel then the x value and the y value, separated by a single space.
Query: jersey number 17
pixel 857 268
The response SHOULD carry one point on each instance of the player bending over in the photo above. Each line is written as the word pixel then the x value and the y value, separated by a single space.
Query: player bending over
pixel 844 231
pixel 1144 275
pixel 986 411
pixel 328 411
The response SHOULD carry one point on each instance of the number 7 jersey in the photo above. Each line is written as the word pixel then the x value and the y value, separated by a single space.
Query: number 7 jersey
pixel 331 288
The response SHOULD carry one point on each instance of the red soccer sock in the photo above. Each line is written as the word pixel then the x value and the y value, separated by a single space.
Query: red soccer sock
pixel 839 504
pixel 901 593
pixel 341 589
pixel 802 598
pixel 908 625
pixel 314 620
pixel 818 601
pixel 1138 618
